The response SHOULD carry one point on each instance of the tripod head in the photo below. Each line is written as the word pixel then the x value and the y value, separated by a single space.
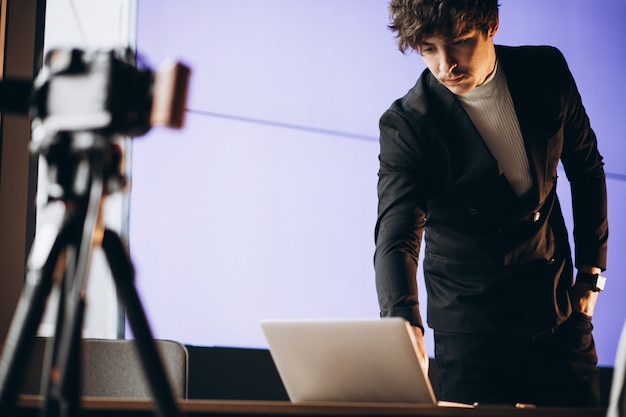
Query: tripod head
pixel 69 156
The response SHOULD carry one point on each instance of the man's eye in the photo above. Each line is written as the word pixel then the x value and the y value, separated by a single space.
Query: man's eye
pixel 427 49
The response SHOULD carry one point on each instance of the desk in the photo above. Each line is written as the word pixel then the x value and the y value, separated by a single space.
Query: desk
pixel 28 406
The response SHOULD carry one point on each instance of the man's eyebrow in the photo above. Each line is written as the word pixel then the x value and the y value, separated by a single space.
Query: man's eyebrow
pixel 468 31
pixel 464 35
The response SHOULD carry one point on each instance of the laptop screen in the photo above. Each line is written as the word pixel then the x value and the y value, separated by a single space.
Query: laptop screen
pixel 360 360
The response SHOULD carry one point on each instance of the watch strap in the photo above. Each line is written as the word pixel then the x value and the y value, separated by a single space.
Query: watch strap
pixel 597 281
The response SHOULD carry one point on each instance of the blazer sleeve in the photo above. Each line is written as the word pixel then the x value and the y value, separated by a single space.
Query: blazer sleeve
pixel 402 193
pixel 584 169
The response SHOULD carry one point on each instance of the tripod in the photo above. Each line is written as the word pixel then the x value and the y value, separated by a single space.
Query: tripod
pixel 86 167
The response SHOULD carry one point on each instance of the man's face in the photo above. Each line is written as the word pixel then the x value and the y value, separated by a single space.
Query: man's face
pixel 463 63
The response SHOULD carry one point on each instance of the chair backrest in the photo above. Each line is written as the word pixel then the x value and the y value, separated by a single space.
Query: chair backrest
pixel 111 368
pixel 617 400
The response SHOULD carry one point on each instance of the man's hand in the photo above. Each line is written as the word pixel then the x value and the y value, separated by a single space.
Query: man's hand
pixel 583 299
pixel 421 349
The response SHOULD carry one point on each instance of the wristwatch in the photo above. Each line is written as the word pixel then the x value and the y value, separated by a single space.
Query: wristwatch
pixel 597 281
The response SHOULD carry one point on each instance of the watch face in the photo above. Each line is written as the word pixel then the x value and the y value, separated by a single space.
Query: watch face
pixel 600 282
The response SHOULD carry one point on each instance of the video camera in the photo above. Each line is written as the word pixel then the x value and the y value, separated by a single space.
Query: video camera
pixel 103 91
pixel 82 101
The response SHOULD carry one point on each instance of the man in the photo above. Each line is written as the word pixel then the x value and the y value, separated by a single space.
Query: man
pixel 470 156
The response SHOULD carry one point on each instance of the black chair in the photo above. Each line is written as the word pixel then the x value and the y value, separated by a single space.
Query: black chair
pixel 111 368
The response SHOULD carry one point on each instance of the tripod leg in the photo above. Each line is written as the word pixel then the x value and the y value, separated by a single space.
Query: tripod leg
pixel 63 390
pixel 26 320
pixel 123 274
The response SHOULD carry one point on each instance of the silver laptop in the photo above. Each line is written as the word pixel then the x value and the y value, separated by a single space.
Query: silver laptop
pixel 371 360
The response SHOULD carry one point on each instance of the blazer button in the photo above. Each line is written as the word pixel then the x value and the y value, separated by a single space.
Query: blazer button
pixel 536 217
pixel 473 211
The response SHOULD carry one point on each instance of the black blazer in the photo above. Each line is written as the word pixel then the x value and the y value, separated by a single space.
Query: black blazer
pixel 493 262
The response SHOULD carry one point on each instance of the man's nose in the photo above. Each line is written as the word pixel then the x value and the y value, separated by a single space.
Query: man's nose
pixel 446 61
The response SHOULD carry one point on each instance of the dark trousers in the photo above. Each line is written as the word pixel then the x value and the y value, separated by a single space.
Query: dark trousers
pixel 554 368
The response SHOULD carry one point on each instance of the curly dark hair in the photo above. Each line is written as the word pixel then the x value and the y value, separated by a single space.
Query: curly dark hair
pixel 416 20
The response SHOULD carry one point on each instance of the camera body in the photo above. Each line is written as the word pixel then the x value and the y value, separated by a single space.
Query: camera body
pixel 103 91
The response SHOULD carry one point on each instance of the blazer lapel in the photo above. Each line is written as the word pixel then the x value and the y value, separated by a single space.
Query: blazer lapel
pixel 535 114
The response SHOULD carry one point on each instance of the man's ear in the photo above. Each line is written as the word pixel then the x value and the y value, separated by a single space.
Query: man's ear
pixel 493 27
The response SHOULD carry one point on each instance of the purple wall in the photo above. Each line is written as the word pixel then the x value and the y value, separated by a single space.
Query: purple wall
pixel 263 206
